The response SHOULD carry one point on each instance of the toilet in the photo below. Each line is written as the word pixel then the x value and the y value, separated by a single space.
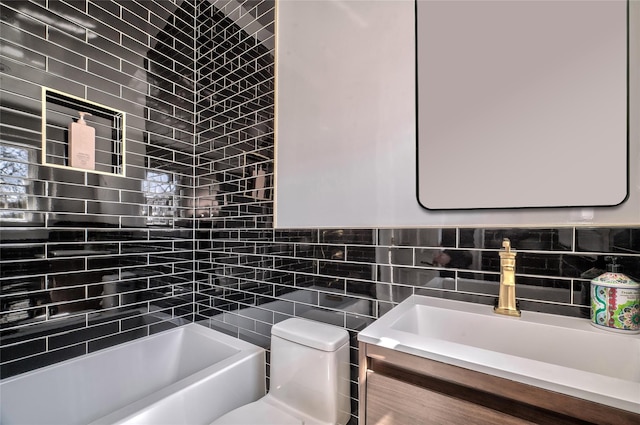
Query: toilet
pixel 309 378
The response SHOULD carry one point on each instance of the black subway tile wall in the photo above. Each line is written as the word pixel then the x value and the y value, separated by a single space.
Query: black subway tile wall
pixel 89 260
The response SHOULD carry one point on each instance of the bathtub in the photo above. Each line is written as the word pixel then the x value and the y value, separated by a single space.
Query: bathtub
pixel 187 375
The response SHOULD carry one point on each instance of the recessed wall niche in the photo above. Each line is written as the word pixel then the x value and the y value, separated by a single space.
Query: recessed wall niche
pixel 59 110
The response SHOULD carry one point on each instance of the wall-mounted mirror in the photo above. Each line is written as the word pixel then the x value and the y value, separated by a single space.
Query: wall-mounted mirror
pixel 522 104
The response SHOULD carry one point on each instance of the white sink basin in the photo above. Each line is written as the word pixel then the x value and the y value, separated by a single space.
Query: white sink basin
pixel 558 353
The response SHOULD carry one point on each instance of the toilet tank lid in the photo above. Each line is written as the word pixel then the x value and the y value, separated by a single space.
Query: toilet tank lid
pixel 312 334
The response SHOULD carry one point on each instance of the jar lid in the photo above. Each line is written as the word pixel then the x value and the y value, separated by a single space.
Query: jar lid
pixel 615 280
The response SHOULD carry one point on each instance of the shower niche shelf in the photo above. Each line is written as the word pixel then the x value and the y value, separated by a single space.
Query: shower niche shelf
pixel 60 109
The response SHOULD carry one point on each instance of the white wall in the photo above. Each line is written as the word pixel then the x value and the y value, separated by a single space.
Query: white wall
pixel 345 124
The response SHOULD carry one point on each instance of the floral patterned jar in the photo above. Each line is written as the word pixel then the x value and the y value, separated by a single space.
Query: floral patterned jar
pixel 615 301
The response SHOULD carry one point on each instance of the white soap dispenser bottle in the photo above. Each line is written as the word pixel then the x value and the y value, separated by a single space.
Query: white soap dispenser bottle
pixel 82 144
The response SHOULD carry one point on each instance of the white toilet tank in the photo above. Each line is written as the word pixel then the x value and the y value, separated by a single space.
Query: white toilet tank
pixel 310 369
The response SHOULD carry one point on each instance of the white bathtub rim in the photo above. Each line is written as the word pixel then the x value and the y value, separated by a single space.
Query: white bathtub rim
pixel 148 402
pixel 90 355
pixel 245 351
pixel 193 327
pixel 242 349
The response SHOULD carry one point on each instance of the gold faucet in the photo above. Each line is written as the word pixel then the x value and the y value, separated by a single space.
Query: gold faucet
pixel 507 297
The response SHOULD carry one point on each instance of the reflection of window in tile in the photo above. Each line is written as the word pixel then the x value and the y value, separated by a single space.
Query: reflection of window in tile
pixel 202 201
pixel 15 185
pixel 160 194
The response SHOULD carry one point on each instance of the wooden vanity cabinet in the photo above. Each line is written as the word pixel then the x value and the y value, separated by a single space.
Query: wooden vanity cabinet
pixel 399 388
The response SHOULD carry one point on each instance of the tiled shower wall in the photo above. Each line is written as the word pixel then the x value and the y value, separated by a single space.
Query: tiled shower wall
pixel 88 260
